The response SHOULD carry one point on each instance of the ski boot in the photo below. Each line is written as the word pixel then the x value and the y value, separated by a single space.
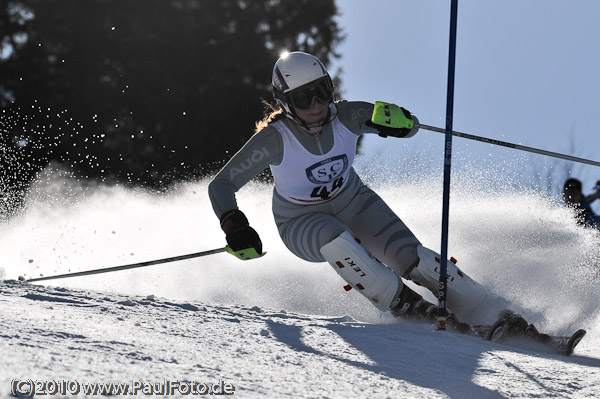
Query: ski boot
pixel 532 332
pixel 511 325
pixel 412 306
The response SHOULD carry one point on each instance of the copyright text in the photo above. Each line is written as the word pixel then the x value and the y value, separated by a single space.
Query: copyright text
pixel 30 388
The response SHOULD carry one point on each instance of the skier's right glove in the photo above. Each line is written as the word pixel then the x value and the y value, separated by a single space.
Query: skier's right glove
pixel 392 120
pixel 243 241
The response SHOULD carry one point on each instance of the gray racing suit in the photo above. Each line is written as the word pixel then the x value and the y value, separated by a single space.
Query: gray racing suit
pixel 306 228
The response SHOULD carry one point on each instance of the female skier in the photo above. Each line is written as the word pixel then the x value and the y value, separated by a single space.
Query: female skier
pixel 323 211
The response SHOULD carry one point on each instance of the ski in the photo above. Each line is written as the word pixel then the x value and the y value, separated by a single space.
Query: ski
pixel 512 328
pixel 566 345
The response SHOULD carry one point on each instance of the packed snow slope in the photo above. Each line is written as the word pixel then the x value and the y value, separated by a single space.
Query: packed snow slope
pixel 59 334
pixel 279 326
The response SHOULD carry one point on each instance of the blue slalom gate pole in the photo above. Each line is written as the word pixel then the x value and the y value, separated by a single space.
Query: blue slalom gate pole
pixel 442 294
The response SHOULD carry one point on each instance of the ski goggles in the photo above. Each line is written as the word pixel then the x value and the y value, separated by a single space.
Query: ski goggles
pixel 305 96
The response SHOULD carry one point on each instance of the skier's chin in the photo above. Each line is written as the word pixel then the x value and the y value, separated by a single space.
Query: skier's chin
pixel 320 121
pixel 315 123
pixel 316 119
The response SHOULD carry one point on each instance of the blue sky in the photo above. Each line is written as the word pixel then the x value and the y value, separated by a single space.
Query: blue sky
pixel 526 72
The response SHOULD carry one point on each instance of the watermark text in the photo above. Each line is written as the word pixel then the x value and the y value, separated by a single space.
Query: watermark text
pixel 30 388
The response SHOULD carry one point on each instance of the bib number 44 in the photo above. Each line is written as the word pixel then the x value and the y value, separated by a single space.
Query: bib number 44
pixel 324 192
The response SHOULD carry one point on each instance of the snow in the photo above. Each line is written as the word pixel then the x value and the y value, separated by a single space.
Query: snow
pixel 56 333
pixel 278 326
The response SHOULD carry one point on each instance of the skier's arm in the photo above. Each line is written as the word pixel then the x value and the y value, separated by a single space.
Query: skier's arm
pixel 263 149
pixel 354 114
pixel 357 117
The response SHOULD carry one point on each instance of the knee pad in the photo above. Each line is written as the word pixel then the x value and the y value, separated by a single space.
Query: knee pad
pixel 363 272
pixel 464 294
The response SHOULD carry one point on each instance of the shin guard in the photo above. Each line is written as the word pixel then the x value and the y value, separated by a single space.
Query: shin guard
pixel 363 272
pixel 465 295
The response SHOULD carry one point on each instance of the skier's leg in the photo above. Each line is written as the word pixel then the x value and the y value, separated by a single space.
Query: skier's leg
pixel 466 298
pixel 374 280
pixel 354 264
pixel 387 237
pixel 318 237
pixel 305 229
pixel 306 234
pixel 381 231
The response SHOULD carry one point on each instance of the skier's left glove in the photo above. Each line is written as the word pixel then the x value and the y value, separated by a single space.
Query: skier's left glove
pixel 392 120
pixel 243 241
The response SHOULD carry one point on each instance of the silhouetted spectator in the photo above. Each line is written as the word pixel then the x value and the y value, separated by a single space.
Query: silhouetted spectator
pixel 573 196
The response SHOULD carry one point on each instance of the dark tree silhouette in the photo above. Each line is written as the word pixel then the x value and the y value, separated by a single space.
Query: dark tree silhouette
pixel 143 92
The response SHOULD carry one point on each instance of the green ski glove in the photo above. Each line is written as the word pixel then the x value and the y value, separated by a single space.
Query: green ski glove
pixel 391 120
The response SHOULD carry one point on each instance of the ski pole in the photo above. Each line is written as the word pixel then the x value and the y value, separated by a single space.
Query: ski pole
pixel 511 145
pixel 131 266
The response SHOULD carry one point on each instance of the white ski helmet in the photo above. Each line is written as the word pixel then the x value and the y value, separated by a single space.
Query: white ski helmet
pixel 298 80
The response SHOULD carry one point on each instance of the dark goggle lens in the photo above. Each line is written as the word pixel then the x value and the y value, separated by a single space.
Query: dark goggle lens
pixel 321 91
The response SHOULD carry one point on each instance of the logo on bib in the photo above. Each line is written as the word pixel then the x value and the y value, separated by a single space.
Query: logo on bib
pixel 328 170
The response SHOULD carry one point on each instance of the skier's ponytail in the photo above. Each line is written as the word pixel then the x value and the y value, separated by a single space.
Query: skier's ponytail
pixel 272 114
